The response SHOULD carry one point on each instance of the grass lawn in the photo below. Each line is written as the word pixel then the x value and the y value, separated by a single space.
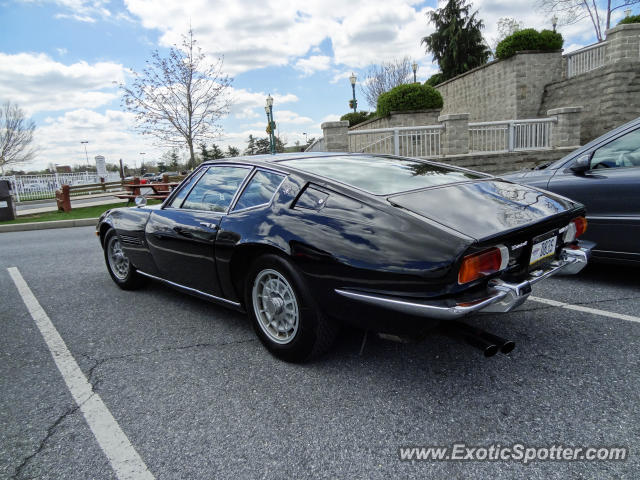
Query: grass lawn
pixel 76 213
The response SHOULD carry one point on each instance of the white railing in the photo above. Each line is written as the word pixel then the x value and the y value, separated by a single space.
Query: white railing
pixel 586 59
pixel 317 146
pixel 41 187
pixel 511 135
pixel 423 141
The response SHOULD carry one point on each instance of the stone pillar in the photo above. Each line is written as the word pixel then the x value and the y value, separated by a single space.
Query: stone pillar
pixel 455 137
pixel 336 138
pixel 566 131
pixel 623 43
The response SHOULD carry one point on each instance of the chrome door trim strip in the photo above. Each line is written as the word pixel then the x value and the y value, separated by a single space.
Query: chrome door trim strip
pixel 189 289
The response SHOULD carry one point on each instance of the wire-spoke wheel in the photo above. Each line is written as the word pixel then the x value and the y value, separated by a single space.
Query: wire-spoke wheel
pixel 285 316
pixel 120 267
pixel 275 306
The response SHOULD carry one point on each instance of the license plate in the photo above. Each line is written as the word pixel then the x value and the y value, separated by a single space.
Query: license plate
pixel 543 249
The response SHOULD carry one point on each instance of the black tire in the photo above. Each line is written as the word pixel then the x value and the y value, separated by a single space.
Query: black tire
pixel 314 334
pixel 128 279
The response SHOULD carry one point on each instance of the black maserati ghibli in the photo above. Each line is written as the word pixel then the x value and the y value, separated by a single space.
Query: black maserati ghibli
pixel 303 242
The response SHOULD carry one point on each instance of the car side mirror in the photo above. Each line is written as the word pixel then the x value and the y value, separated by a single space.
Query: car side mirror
pixel 582 164
pixel 140 200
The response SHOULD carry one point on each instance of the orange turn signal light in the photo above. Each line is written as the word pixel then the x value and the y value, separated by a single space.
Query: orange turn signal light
pixel 581 225
pixel 478 265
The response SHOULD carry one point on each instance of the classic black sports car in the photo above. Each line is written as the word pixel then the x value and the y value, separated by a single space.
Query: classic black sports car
pixel 604 175
pixel 302 242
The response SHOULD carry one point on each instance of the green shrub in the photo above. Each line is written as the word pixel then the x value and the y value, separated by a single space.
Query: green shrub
pixel 630 19
pixel 434 79
pixel 355 118
pixel 408 97
pixel 529 39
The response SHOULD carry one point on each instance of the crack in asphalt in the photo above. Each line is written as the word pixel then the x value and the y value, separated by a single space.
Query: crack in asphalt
pixel 94 382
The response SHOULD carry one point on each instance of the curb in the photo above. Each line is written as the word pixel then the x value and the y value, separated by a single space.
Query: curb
pixel 21 227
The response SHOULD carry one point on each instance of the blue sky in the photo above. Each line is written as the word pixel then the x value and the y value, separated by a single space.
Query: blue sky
pixel 59 60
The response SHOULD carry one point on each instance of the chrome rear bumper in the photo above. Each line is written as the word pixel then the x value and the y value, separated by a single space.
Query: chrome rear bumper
pixel 503 296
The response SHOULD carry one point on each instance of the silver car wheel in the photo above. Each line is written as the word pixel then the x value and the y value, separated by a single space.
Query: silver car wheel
pixel 118 261
pixel 275 306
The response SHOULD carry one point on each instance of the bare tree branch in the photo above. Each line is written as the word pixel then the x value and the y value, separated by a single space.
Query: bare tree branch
pixel 384 77
pixel 179 99
pixel 16 136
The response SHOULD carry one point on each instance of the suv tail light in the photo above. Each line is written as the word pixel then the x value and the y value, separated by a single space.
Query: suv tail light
pixel 481 264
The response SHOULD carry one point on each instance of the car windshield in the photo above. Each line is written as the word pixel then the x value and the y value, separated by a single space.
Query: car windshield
pixel 381 175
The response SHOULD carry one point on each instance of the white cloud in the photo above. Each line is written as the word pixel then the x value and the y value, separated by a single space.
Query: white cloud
pixel 247 104
pixel 313 64
pixel 279 32
pixel 109 134
pixel 38 83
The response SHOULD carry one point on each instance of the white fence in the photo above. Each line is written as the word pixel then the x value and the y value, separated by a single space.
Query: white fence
pixel 406 141
pixel 586 59
pixel 40 187
pixel 317 146
pixel 509 136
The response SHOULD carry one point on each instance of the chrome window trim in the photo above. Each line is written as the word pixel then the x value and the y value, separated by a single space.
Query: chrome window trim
pixel 244 187
pixel 206 169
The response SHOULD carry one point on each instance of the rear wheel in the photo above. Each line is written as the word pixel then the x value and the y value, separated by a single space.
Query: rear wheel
pixel 284 315
pixel 120 268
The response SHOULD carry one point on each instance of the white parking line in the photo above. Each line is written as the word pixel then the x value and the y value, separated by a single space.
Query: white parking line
pixel 124 459
pixel 580 308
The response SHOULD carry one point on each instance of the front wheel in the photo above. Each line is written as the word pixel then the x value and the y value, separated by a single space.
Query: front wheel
pixel 284 315
pixel 120 268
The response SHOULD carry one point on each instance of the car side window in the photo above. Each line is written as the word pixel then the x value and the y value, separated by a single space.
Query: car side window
pixel 182 193
pixel 215 189
pixel 259 190
pixel 622 152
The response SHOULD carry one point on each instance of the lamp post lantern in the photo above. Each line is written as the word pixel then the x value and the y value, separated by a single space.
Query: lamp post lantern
pixel 271 125
pixel 84 142
pixel 354 102
pixel 627 13
pixel 414 66
pixel 554 22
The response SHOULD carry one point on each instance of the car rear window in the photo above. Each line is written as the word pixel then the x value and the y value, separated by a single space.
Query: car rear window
pixel 381 175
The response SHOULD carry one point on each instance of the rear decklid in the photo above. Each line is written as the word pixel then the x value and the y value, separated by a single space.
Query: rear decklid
pixel 483 208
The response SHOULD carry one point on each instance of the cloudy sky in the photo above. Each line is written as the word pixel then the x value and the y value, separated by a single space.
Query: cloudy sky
pixel 61 59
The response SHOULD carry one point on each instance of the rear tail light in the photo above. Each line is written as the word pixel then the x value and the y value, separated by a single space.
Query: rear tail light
pixel 483 263
pixel 576 227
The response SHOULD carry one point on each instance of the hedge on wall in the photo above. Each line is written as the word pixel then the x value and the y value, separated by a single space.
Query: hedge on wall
pixel 408 97
pixel 434 79
pixel 630 19
pixel 529 39
pixel 355 118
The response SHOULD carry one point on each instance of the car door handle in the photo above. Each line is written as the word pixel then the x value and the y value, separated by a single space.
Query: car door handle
pixel 212 226
pixel 183 232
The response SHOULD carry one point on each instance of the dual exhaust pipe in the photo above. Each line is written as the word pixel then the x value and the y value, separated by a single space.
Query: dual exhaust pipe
pixel 486 342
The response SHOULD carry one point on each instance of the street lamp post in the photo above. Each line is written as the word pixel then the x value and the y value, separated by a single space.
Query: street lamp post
pixel 414 66
pixel 354 102
pixel 554 22
pixel 271 126
pixel 84 142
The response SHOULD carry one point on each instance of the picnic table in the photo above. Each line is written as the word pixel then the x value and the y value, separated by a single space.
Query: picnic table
pixel 160 190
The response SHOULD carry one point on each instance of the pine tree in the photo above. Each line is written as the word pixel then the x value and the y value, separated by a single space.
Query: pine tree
pixel 457 44
pixel 251 146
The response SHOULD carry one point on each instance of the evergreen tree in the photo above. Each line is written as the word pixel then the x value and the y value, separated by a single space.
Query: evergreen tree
pixel 251 146
pixel 232 151
pixel 215 152
pixel 205 155
pixel 457 44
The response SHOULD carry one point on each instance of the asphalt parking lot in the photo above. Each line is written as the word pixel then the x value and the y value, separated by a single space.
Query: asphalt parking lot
pixel 197 396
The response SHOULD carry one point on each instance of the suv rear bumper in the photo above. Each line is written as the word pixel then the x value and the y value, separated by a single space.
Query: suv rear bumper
pixel 503 296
